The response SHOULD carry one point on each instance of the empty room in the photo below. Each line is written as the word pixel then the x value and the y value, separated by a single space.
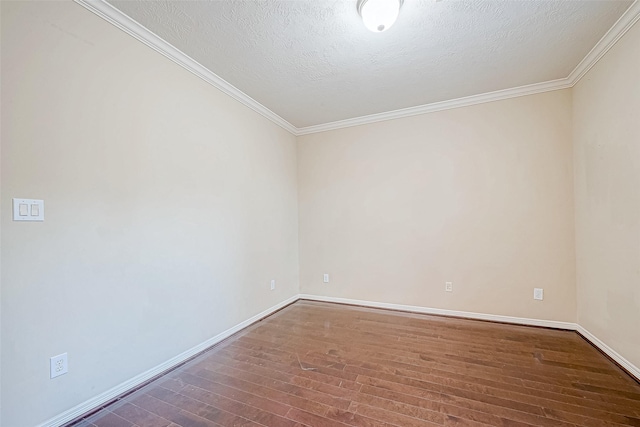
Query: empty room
pixel 320 213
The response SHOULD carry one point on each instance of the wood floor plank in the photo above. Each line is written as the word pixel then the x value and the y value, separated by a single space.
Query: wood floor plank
pixel 318 364
pixel 139 416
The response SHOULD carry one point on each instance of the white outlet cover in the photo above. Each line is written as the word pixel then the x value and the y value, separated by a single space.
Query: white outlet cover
pixel 448 286
pixel 273 284
pixel 325 278
pixel 28 210
pixel 538 294
pixel 58 365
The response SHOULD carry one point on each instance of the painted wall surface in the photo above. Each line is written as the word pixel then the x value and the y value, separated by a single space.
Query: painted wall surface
pixel 480 196
pixel 168 209
pixel 606 127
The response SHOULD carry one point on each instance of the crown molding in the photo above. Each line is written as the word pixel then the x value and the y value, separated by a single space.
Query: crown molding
pixel 622 25
pixel 441 106
pixel 141 33
pixel 138 31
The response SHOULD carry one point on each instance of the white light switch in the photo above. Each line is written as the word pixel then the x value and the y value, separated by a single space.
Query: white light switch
pixel 28 210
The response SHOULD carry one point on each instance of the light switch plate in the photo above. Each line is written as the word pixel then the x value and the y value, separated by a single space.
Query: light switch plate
pixel 28 210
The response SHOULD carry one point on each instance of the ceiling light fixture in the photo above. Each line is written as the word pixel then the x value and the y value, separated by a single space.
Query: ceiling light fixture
pixel 379 15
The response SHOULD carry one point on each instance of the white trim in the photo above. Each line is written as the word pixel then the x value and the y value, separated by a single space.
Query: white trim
pixel 105 397
pixel 442 312
pixel 622 25
pixel 108 395
pixel 440 106
pixel 630 367
pixel 155 42
pixel 135 29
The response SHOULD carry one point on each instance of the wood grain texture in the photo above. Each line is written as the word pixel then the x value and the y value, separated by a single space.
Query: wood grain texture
pixel 320 364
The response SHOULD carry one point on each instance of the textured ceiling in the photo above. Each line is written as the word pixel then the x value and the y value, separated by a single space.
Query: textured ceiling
pixel 314 62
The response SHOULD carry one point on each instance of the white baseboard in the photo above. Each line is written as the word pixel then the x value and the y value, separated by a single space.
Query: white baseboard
pixel 105 397
pixel 439 311
pixel 628 366
pixel 108 395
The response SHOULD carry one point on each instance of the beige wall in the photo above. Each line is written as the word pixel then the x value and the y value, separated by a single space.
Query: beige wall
pixel 169 207
pixel 480 196
pixel 606 127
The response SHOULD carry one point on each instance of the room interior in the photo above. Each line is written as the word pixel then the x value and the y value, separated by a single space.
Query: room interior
pixel 181 209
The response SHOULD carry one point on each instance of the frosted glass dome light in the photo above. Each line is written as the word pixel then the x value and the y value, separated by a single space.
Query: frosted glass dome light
pixel 379 15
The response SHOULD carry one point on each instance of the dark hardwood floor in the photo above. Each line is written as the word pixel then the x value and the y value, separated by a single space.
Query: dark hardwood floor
pixel 318 364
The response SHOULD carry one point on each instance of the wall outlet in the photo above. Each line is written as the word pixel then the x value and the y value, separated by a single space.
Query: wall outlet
pixel 325 278
pixel 58 365
pixel 538 293
pixel 448 286
pixel 273 284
